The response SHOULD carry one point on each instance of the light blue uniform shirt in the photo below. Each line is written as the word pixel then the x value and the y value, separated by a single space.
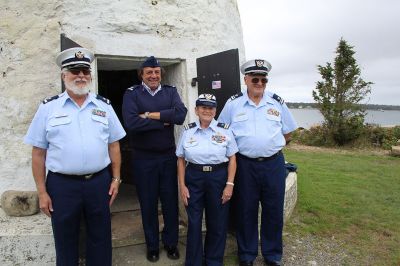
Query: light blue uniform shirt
pixel 76 138
pixel 258 130
pixel 212 145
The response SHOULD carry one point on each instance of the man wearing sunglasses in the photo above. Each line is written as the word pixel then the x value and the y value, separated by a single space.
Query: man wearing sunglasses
pixel 75 136
pixel 262 124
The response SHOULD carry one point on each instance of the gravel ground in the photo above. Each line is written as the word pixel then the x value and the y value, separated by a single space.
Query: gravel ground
pixel 305 250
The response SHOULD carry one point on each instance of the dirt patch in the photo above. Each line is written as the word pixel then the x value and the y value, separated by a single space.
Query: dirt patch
pixel 300 147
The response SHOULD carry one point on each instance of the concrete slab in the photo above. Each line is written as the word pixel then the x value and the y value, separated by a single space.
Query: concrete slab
pixel 127 229
pixel 136 255
pixel 126 200
pixel 26 240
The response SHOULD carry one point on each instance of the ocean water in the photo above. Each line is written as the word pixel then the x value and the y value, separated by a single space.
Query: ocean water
pixel 309 117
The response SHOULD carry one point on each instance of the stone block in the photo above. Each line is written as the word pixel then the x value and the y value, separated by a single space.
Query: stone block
pixel 395 151
pixel 290 195
pixel 20 203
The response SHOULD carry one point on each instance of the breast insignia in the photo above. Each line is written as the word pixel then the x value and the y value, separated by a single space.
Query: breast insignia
pixel 223 125
pixel 101 98
pixel 50 99
pixel 189 126
pixel 233 97
pixel 278 98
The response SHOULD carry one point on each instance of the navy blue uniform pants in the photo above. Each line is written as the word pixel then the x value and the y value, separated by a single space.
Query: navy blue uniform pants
pixel 259 181
pixel 205 189
pixel 72 198
pixel 154 179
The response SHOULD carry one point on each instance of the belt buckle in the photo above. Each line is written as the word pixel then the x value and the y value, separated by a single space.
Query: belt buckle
pixel 260 159
pixel 207 168
pixel 88 176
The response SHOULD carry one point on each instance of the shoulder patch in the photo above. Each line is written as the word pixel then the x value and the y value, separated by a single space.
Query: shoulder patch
pixel 278 98
pixel 133 87
pixel 189 126
pixel 233 97
pixel 101 98
pixel 223 125
pixel 49 99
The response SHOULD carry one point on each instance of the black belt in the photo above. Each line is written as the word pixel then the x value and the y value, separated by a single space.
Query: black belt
pixel 260 159
pixel 207 167
pixel 86 176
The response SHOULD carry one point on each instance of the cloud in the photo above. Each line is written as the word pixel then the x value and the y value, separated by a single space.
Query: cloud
pixel 296 36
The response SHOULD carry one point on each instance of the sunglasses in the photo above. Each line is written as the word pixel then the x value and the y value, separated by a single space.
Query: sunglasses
pixel 256 80
pixel 77 71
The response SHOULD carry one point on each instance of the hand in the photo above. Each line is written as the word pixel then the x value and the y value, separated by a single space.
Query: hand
pixel 45 203
pixel 227 194
pixel 113 192
pixel 184 191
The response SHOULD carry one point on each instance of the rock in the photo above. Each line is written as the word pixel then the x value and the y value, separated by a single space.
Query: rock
pixel 20 203
pixel 312 263
pixel 395 151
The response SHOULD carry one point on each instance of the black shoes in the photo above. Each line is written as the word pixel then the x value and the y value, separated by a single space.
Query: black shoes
pixel 153 255
pixel 172 252
pixel 272 263
pixel 246 263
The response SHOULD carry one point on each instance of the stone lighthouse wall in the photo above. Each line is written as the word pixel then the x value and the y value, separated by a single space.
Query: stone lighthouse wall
pixel 30 39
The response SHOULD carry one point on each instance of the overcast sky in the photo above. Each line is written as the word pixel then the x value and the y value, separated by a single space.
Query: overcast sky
pixel 297 35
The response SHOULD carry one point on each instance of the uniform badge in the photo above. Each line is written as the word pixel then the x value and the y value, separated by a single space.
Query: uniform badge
pixel 79 55
pixel 191 140
pixel 259 63
pixel 272 111
pixel 218 138
pixel 99 112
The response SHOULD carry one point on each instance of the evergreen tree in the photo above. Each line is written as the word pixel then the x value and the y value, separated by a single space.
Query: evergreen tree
pixel 340 93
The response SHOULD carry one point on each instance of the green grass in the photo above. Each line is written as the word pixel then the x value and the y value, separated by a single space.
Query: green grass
pixel 353 197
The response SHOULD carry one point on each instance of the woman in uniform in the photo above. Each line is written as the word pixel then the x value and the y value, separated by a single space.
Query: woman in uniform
pixel 206 172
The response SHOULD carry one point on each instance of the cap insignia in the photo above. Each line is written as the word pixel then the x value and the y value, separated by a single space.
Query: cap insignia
pixel 259 63
pixel 79 55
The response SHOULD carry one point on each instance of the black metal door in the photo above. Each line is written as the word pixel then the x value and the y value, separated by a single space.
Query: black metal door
pixel 219 74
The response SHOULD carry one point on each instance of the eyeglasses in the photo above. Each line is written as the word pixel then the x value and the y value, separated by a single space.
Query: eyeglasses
pixel 77 71
pixel 256 80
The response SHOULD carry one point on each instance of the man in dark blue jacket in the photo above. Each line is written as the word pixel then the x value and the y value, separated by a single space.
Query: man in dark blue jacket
pixel 150 111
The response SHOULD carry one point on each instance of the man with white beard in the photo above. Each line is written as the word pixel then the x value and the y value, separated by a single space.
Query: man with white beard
pixel 75 136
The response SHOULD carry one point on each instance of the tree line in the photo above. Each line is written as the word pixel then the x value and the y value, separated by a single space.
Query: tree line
pixel 297 105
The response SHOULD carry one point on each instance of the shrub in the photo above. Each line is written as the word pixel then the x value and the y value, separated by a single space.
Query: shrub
pixel 367 136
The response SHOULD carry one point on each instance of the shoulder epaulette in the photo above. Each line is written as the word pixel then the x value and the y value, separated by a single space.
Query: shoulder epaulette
pixel 189 126
pixel 223 125
pixel 169 86
pixel 101 98
pixel 278 98
pixel 133 87
pixel 233 97
pixel 50 99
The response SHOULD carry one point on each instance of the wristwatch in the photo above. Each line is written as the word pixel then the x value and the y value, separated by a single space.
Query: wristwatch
pixel 146 114
pixel 117 179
